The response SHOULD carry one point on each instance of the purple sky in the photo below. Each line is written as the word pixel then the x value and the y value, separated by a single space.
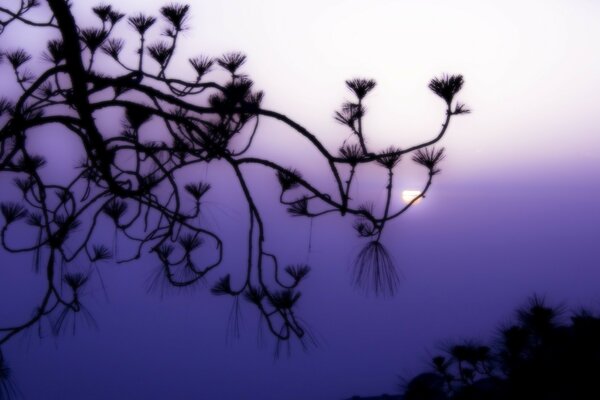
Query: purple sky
pixel 516 210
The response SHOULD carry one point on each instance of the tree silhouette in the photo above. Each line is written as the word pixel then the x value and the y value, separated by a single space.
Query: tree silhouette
pixel 127 179
pixel 536 357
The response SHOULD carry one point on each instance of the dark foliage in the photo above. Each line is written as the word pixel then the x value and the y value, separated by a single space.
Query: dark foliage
pixel 75 280
pixel 447 86
pixel 113 47
pixel 93 37
pixel 360 87
pixel 18 57
pixel 288 179
pixel 537 357
pixel 160 52
pixel 390 157
pixel 352 153
pixel 429 158
pixel 13 212
pixel 201 65
pixel 176 14
pixel 134 181
pixel 297 272
pixel 141 23
pixel 197 190
pixel 374 270
pixel 7 386
pixel 56 51
pixel 232 61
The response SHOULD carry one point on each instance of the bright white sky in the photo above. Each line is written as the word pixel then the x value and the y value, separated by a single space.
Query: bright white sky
pixel 532 70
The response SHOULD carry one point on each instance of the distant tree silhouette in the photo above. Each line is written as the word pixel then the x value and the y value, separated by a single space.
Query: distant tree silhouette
pixel 537 357
pixel 130 180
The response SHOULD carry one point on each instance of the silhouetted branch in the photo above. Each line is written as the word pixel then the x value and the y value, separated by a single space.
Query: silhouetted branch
pixel 130 182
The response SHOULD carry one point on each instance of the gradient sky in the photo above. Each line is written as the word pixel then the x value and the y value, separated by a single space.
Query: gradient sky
pixel 515 211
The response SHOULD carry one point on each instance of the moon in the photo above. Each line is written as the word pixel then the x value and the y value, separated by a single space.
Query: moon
pixel 410 195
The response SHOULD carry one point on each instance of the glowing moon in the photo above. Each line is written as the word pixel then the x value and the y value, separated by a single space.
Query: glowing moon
pixel 410 195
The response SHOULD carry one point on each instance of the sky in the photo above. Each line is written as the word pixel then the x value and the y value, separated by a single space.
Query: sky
pixel 516 210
